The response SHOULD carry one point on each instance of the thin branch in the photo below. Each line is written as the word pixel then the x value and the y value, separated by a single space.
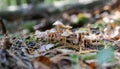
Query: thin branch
pixel 4 30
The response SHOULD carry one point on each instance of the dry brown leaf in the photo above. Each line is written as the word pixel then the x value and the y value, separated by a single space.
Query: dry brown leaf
pixel 91 64
pixel 59 57
pixel 42 62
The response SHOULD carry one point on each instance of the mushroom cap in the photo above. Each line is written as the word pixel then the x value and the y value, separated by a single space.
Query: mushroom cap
pixel 58 23
pixel 39 34
pixel 92 37
pixel 61 25
pixel 66 33
pixel 68 27
pixel 80 31
pixel 52 30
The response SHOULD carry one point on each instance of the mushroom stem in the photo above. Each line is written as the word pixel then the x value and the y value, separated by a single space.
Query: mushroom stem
pixel 58 33
pixel 80 49
pixel 80 42
pixel 65 41
pixel 50 37
pixel 55 39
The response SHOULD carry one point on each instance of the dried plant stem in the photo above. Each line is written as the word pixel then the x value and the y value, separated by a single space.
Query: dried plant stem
pixel 4 30
pixel 61 47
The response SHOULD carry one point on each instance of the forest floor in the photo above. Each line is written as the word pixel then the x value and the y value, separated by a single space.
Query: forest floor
pixel 79 40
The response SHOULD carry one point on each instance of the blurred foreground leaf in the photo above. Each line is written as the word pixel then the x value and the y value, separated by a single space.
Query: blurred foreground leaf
pixel 105 55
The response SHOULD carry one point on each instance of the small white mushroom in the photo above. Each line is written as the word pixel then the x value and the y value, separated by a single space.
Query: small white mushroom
pixel 80 38
pixel 65 34
pixel 51 34
pixel 60 27
pixel 52 30
pixel 41 35
pixel 116 34
pixel 112 34
pixel 59 24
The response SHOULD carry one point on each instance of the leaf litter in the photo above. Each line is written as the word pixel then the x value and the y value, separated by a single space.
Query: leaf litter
pixel 93 46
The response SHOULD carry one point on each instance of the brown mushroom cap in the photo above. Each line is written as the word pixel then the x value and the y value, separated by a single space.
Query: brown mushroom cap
pixel 61 25
pixel 68 27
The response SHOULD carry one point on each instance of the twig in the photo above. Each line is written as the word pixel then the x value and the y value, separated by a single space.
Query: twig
pixel 4 30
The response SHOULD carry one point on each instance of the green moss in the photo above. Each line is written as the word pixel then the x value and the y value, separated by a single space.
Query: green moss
pixel 28 25
pixel 88 56
pixel 30 39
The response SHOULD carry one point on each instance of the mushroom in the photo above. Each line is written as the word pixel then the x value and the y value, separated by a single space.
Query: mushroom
pixel 80 38
pixel 59 25
pixel 112 34
pixel 116 34
pixel 67 27
pixel 65 34
pixel 88 27
pixel 41 35
pixel 51 34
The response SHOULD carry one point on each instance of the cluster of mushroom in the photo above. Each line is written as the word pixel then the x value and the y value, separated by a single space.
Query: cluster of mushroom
pixel 62 34
pixel 62 31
